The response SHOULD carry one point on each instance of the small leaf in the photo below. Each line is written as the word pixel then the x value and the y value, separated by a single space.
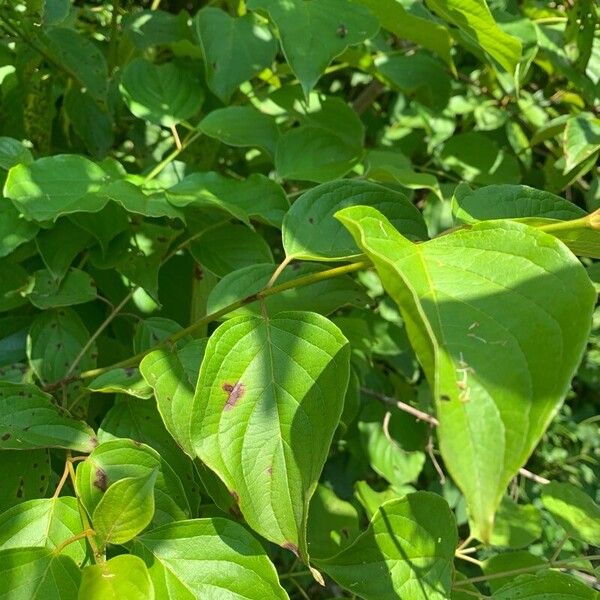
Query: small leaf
pixel 13 152
pixel 37 574
pixel 241 126
pixel 544 585
pixel 581 139
pixel 55 185
pixel 44 523
pixel 14 281
pixel 310 231
pixel 268 400
pixel 234 49
pixel 125 510
pixel 459 311
pixel 14 230
pixel 125 381
pixel 123 576
pixel 163 94
pixel 574 510
pixel 76 288
pixel 29 419
pixel 312 34
pixel 406 552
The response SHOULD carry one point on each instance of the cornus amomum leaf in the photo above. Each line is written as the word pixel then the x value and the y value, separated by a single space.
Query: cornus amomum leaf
pixel 268 400
pixel 406 552
pixel 498 316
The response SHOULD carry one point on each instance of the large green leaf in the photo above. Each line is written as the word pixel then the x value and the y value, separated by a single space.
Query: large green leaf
pixel 474 19
pixel 44 523
pixel 407 552
pixel 112 461
pixel 56 185
pixel 268 400
pixel 574 510
pixel 163 94
pixel 312 34
pixel 121 577
pixel 310 231
pixel 125 510
pixel 29 419
pixel 475 304
pixel 37 574
pixel 212 559
pixel 234 49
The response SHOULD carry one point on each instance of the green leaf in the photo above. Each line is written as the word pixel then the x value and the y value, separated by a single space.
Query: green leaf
pixel 116 460
pixel 581 139
pixel 82 59
pixel 37 574
pixel 548 584
pixel 310 231
pixel 14 282
pixel 55 340
pixel 125 510
pixel 268 401
pixel 44 523
pixel 332 523
pixel 471 303
pixel 314 154
pixel 475 21
pixel 56 185
pixel 506 563
pixel 13 152
pixel 407 23
pixel 172 376
pixel 125 381
pixel 312 34
pixel 574 510
pixel 14 230
pixel 25 475
pixel 123 576
pixel 323 297
pixel 406 552
pixel 234 49
pixel 29 419
pixel 212 559
pixel 371 500
pixel 256 197
pixel 47 292
pixel 515 525
pixel 241 126
pixel 147 28
pixel 163 94
pixel 507 201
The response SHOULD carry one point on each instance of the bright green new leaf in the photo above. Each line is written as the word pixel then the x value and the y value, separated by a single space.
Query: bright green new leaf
pixel 508 201
pixel 47 292
pixel 471 303
pixel 125 381
pixel 37 574
pixel 310 231
pixel 29 419
pixel 113 461
pixel 269 397
pixel 56 185
pixel 323 297
pixel 581 139
pixel 121 577
pixel 474 19
pixel 229 247
pixel 234 49
pixel 164 94
pixel 14 230
pixel 44 523
pixel 125 510
pixel 212 559
pixel 574 510
pixel 312 33
pixel 25 475
pixel 241 126
pixel 545 585
pixel 407 552
pixel 55 340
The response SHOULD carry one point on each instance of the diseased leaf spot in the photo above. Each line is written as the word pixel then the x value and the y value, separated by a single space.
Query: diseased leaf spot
pixel 234 393
pixel 235 496
pixel 5 437
pixel 198 272
pixel 342 31
pixel 292 547
pixel 100 479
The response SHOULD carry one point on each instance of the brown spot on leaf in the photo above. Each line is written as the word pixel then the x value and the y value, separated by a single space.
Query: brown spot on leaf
pixel 129 371
pixel 100 479
pixel 291 547
pixel 270 471
pixel 235 496
pixel 5 437
pixel 234 393
pixel 198 272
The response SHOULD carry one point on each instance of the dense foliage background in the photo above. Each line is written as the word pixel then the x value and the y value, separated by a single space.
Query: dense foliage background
pixel 159 160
